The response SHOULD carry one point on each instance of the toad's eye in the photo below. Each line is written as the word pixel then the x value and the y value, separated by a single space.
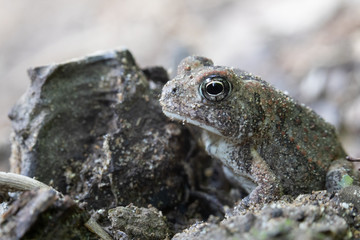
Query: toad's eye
pixel 215 88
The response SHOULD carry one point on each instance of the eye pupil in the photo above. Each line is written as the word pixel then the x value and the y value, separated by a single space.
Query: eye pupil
pixel 214 87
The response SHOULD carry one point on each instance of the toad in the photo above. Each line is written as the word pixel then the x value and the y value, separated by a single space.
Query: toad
pixel 269 142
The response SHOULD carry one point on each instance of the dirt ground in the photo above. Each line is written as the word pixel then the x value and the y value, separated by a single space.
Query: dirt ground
pixel 309 48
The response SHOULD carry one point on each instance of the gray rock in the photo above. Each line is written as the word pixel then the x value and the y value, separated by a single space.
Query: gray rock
pixel 93 128
pixel 310 216
pixel 139 223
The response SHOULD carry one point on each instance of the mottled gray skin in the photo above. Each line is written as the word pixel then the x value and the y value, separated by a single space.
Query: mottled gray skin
pixel 272 144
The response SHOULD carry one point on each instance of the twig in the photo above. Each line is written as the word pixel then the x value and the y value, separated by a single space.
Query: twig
pixel 94 227
pixel 351 159
pixel 10 182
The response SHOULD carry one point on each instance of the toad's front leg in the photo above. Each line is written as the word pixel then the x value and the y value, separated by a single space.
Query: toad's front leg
pixel 268 185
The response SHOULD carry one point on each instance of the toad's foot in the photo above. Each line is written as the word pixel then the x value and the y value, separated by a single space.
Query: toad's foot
pixel 341 174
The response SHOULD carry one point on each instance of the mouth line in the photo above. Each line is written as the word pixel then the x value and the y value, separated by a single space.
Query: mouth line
pixel 192 122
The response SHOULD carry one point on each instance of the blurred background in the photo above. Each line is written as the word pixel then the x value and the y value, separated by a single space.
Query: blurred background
pixel 311 49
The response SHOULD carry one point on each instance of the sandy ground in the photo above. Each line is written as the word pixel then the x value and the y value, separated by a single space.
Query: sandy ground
pixel 309 48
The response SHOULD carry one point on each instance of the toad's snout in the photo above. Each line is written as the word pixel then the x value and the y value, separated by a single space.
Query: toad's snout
pixel 168 94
